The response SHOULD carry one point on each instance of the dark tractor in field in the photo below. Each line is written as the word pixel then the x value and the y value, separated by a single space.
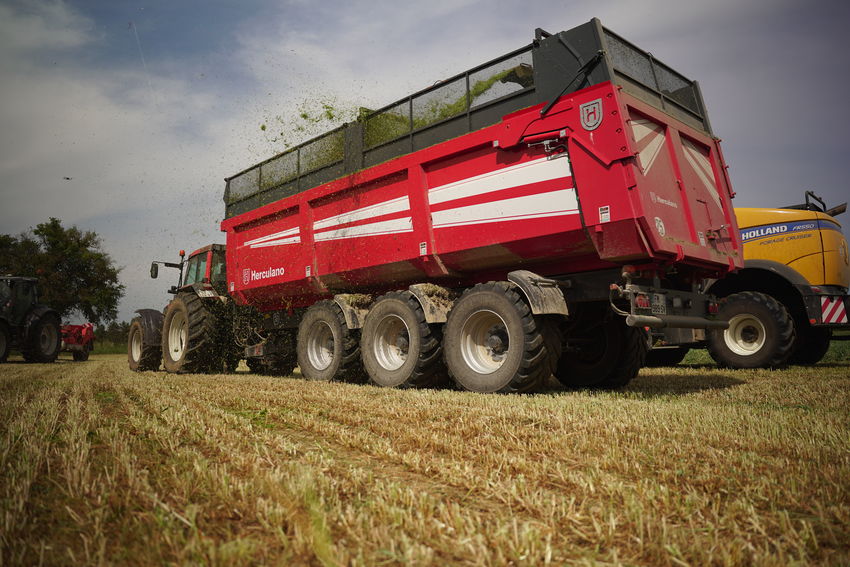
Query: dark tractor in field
pixel 26 325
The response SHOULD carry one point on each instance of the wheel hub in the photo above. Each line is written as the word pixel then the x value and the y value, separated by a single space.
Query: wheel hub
pixel 746 335
pixel 484 342
pixel 392 342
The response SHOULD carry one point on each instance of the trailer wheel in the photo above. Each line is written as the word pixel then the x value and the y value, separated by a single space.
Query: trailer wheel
pixel 80 355
pixel 399 348
pixel 5 341
pixel 189 336
pixel 327 349
pixel 760 333
pixel 609 355
pixel 141 355
pixel 666 356
pixel 811 345
pixel 493 343
pixel 44 340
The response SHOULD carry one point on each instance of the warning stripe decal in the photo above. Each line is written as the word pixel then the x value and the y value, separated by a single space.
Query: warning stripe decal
pixel 833 310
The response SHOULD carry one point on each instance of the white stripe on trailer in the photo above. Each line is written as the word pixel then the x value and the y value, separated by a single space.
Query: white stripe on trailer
pixel 288 236
pixel 541 205
pixel 833 310
pixel 542 169
pixel 641 129
pixel 394 226
pixel 702 167
pixel 372 211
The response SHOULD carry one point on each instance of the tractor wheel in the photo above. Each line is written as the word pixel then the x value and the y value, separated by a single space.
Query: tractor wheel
pixel 666 356
pixel 609 355
pixel 5 341
pixel 44 340
pixel 142 355
pixel 81 355
pixel 327 349
pixel 492 341
pixel 399 348
pixel 760 334
pixel 189 336
pixel 811 345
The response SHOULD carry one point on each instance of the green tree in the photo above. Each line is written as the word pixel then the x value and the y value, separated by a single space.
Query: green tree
pixel 74 273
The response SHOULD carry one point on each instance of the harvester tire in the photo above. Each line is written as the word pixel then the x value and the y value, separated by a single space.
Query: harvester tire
pixel 44 339
pixel 666 356
pixel 399 348
pixel 493 343
pixel 5 341
pixel 189 336
pixel 141 354
pixel 327 349
pixel 760 334
pixel 811 345
pixel 610 356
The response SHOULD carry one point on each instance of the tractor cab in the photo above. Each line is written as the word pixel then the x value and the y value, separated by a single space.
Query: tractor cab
pixel 204 269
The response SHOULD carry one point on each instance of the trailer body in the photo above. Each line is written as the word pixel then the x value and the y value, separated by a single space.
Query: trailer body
pixel 610 174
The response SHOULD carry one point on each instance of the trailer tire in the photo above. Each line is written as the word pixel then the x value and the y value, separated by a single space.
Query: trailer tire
pixel 44 339
pixel 5 341
pixel 811 345
pixel 398 347
pixel 554 341
pixel 493 343
pixel 189 336
pixel 760 334
pixel 141 355
pixel 614 354
pixel 81 355
pixel 327 349
pixel 666 356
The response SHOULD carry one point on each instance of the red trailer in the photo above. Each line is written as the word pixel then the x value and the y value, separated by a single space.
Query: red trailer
pixel 78 340
pixel 495 237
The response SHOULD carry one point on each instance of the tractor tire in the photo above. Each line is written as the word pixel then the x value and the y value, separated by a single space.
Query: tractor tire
pixel 142 355
pixel 666 356
pixel 493 343
pixel 760 334
pixel 327 349
pixel 611 355
pixel 44 339
pixel 189 336
pixel 5 341
pixel 811 345
pixel 398 347
pixel 80 355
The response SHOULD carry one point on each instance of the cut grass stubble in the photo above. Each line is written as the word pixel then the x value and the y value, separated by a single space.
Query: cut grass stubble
pixel 685 466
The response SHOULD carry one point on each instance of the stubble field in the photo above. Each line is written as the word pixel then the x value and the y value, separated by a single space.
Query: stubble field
pixel 687 466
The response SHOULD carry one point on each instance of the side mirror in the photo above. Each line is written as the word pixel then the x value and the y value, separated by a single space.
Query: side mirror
pixel 154 270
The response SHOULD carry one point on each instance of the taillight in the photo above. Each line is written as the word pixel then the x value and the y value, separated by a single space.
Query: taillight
pixel 642 301
pixel 713 308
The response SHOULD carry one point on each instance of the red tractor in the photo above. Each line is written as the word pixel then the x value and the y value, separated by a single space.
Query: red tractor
pixel 78 340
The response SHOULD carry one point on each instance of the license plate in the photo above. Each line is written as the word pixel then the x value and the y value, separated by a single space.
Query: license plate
pixel 659 304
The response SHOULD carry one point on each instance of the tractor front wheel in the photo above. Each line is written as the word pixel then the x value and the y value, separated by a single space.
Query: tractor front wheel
pixel 142 353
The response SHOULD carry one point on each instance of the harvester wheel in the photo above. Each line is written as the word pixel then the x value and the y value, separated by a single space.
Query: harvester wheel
pixel 666 356
pixel 44 340
pixel 141 354
pixel 5 341
pixel 609 355
pixel 189 336
pixel 492 341
pixel 327 349
pixel 399 348
pixel 811 345
pixel 760 334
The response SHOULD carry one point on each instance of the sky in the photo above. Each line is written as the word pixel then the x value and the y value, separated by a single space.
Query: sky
pixel 124 117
